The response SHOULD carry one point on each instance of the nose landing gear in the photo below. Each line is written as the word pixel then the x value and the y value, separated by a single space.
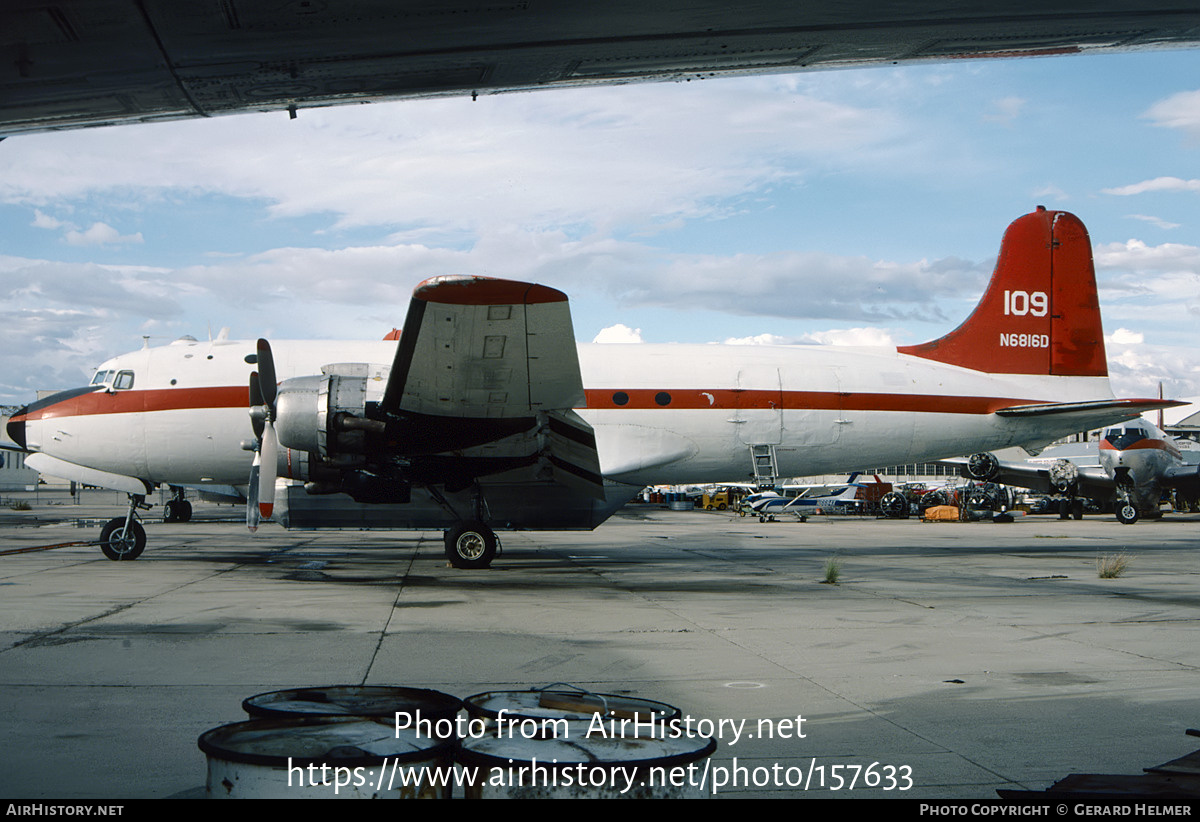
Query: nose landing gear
pixel 124 538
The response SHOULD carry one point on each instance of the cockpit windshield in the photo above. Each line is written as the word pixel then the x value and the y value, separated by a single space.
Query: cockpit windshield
pixel 1122 438
pixel 116 380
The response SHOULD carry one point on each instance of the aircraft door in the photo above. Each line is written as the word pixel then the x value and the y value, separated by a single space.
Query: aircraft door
pixel 758 406
pixel 814 418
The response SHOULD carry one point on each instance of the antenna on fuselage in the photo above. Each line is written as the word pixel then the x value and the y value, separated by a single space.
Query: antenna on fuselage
pixel 145 341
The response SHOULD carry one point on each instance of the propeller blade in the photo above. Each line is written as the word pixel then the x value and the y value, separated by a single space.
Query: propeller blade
pixel 256 401
pixel 252 516
pixel 267 471
pixel 266 372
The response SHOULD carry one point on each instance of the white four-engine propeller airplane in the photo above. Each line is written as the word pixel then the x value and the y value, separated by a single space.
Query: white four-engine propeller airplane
pixel 486 415
pixel 1132 464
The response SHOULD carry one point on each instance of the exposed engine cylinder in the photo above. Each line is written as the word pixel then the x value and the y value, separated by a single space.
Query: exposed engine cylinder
pixel 1063 474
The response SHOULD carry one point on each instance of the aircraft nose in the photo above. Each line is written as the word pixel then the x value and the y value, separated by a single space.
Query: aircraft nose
pixel 16 426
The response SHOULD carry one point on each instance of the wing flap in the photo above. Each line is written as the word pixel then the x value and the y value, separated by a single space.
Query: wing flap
pixel 572 451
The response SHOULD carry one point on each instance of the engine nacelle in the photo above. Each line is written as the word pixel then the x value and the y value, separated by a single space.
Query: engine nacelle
pixel 1063 475
pixel 326 415
pixel 983 466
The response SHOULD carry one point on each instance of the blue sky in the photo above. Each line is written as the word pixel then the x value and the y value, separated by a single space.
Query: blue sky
pixel 858 206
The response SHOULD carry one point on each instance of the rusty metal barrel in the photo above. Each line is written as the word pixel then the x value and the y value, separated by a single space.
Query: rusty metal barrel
pixel 360 700
pixel 323 757
pixel 565 702
pixel 564 742
pixel 586 765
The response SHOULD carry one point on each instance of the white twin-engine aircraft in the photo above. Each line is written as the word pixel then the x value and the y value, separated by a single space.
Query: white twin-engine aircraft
pixel 489 415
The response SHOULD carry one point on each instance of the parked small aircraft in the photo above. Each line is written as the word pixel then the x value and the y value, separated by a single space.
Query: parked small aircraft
pixel 1132 464
pixel 803 500
pixel 490 417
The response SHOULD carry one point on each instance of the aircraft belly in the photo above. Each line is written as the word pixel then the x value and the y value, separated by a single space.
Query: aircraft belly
pixel 510 506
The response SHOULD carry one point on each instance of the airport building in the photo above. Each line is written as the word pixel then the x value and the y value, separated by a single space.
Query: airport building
pixel 14 476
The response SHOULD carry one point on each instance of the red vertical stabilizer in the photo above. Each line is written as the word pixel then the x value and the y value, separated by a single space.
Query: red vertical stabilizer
pixel 1040 313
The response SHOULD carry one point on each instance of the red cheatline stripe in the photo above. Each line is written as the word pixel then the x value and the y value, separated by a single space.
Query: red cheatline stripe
pixel 795 400
pixel 1141 445
pixel 173 399
pixel 161 399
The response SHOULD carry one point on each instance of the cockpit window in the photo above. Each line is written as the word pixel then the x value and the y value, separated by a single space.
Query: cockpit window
pixel 124 380
pixel 101 377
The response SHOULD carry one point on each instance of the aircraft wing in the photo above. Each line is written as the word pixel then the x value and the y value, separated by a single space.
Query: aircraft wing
pixel 76 63
pixel 1092 481
pixel 1182 476
pixel 476 347
pixel 486 364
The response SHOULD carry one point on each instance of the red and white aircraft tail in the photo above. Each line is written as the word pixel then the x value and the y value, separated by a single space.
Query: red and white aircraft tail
pixel 1040 313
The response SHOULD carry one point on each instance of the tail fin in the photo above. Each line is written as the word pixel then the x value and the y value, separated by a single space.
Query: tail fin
pixel 1040 313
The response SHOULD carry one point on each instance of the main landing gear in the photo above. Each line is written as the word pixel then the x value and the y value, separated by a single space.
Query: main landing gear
pixel 124 538
pixel 177 509
pixel 1070 508
pixel 471 544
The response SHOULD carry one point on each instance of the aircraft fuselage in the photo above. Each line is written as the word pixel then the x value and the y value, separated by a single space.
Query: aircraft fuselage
pixel 663 414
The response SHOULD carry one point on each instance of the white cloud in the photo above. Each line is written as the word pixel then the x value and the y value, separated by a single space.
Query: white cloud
pixel 1157 184
pixel 1136 370
pixel 41 220
pixel 762 339
pixel 1137 258
pixel 1050 192
pixel 803 285
pixel 1005 110
pixel 857 337
pixel 1157 221
pixel 1180 111
pixel 854 336
pixel 643 154
pixel 619 333
pixel 102 234
pixel 1123 336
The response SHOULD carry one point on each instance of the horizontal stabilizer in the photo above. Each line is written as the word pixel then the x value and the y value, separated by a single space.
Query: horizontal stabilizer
pixel 1133 406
